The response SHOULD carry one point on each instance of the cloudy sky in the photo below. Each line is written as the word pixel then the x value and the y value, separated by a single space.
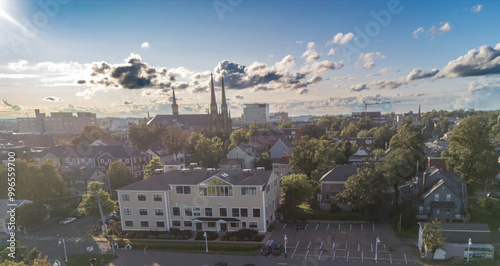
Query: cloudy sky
pixel 123 58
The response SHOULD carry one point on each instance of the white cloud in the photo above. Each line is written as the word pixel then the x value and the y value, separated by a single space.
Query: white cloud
pixel 359 87
pixel 19 65
pixel 445 27
pixel 368 59
pixel 484 61
pixel 331 52
pixel 311 54
pixel 417 32
pixel 340 38
pixel 477 8
pixel 299 42
pixel 145 45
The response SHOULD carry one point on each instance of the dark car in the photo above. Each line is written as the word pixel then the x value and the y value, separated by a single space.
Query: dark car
pixel 301 224
pixel 277 250
pixel 223 263
pixel 251 264
pixel 266 250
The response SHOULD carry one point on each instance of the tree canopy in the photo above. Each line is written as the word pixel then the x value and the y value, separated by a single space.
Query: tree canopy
pixel 149 170
pixel 472 153
pixel 296 189
pixel 208 151
pixel 142 135
pixel 89 206
pixel 432 236
pixel 240 136
pixel 31 214
pixel 119 175
pixel 88 135
pixel 174 140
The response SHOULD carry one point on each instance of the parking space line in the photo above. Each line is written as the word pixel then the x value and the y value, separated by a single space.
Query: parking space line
pixel 333 258
pixel 333 246
pixel 321 246
pixel 328 227
pixel 308 245
pixel 297 244
pixel 317 226
pixel 294 252
pixel 284 226
pixel 347 255
pixel 361 256
pixel 350 228
pixel 306 254
pixel 320 252
pixel 339 226
pixel 390 257
pixel 358 247
pixel 371 246
pixel 405 258
pixel 345 245
pixel 306 225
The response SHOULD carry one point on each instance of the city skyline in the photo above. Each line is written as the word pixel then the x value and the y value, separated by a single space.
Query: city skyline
pixel 123 58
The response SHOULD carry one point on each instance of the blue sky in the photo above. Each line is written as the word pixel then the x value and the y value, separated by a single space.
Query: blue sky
pixel 123 58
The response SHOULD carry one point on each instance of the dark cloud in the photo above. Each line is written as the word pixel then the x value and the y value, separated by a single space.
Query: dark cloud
pixel 484 61
pixel 52 99
pixel 238 97
pixel 81 81
pixel 14 107
pixel 302 91
pixel 127 102
pixel 416 73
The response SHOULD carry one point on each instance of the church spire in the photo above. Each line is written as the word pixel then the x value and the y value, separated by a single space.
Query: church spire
pixel 175 107
pixel 213 103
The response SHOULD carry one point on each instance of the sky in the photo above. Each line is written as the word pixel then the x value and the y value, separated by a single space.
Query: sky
pixel 123 58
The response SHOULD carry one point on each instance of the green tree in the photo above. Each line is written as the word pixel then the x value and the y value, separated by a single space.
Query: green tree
pixel 175 140
pixel 442 125
pixel 208 151
pixel 495 134
pixel 149 170
pixel 31 214
pixel 472 153
pixel 312 131
pixel 285 123
pixel 365 190
pixel 88 135
pixel 383 136
pixel 351 130
pixel 240 136
pixel 142 135
pixel 89 206
pixel 264 161
pixel 119 175
pixel 432 236
pixel 296 189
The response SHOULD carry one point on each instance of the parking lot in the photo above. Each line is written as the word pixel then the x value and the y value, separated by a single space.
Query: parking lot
pixel 343 241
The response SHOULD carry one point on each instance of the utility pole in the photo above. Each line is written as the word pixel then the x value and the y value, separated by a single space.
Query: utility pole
pixel 105 231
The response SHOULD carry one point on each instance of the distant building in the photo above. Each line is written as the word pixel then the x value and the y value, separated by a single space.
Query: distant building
pixel 333 182
pixel 278 117
pixel 281 148
pixel 281 167
pixel 211 122
pixel 123 123
pixel 57 122
pixel 266 139
pixel 256 112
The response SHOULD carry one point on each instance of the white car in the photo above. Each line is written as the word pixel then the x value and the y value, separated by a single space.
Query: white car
pixel 67 220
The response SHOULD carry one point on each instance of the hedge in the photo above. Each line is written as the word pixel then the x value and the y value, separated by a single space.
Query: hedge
pixel 210 235
pixel 243 235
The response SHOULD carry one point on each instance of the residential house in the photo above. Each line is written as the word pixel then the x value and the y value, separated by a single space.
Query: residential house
pixel 267 139
pixel 156 150
pixel 433 152
pixel 202 200
pixel 7 224
pixel 457 236
pixel 173 165
pixel 281 167
pixel 135 160
pixel 360 156
pixel 231 164
pixel 106 142
pixel 247 152
pixel 333 182
pixel 437 194
pixel 366 144
pixel 281 148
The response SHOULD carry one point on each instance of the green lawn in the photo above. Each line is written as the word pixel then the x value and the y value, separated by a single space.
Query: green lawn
pixel 488 215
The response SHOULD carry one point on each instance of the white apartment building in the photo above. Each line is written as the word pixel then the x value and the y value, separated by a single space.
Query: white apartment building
pixel 201 200
pixel 256 112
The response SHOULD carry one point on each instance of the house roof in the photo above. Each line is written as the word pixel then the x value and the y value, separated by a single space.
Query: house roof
pixel 340 173
pixel 282 160
pixel 4 207
pixel 246 148
pixel 191 119
pixel 460 233
pixel 436 186
pixel 268 133
pixel 106 142
pixel 225 161
pixel 196 176
pixel 119 151
pixel 84 173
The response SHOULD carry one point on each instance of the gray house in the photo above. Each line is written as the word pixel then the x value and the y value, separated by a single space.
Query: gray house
pixel 437 194
pixel 281 148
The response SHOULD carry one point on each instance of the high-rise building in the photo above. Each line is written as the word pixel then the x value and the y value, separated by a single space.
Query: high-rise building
pixel 256 112
pixel 61 122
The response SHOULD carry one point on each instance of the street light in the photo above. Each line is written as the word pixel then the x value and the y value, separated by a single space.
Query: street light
pixel 285 245
pixel 376 247
pixel 206 241
pixel 61 241
pixel 468 251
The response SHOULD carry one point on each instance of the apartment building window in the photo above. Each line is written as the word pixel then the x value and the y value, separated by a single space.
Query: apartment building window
pixel 256 212
pixel 127 211
pixel 144 223
pixel 129 223
pixel 109 160
pixel 176 223
pixel 176 211
pixel 196 211
pixel 159 212
pixel 215 187
pixel 188 211
pixel 252 224
pixel 102 160
pixel 143 211
pixel 234 225
pixel 208 212
pixel 141 197
pixel 448 197
pixel 211 224
pixel 126 197
pixel 157 197
pixel 223 212
pixel 236 212
pixel 160 224
pixel 248 191
pixel 183 190
pixel 244 212
pixel 436 197
pixel 188 223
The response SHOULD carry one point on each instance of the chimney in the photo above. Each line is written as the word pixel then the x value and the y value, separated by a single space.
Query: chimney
pixel 333 164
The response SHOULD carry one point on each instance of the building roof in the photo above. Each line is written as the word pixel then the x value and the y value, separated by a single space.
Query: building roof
pixel 282 160
pixel 119 151
pixel 225 161
pixel 340 173
pixel 196 176
pixel 186 119
pixel 460 233
pixel 83 173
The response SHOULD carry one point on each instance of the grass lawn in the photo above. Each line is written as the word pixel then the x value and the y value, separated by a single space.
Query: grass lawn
pixel 83 259
pixel 411 232
pixel 487 215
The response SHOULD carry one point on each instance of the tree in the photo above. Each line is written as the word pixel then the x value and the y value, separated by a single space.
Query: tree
pixel 285 123
pixel 432 236
pixel 208 151
pixel 351 130
pixel 142 135
pixel 175 140
pixel 88 135
pixel 151 167
pixel 264 161
pixel 330 123
pixel 89 206
pixel 312 131
pixel 296 189
pixel 31 214
pixel 407 149
pixel 364 191
pixel 442 125
pixel 383 136
pixel 239 136
pixel 119 175
pixel 472 153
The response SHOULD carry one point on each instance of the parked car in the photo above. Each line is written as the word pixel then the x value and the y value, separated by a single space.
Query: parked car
pixel 301 224
pixel 67 220
pixel 221 264
pixel 277 249
pixel 266 250
pixel 106 220
pixel 493 195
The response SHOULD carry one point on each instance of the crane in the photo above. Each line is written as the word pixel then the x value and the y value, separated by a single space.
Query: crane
pixel 375 103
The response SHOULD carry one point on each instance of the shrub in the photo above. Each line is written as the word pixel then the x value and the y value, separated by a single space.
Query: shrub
pixel 272 226
pixel 243 235
pixel 334 208
pixel 210 235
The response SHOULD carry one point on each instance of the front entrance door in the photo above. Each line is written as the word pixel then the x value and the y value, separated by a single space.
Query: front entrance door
pixel 223 227
pixel 199 227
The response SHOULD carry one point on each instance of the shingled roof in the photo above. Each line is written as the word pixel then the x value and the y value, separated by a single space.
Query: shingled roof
pixel 340 173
